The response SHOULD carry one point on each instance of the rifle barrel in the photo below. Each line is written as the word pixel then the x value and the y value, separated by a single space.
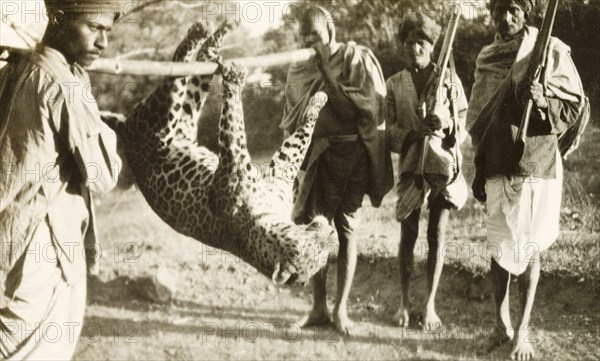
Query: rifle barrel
pixel 447 45
pixel 437 80
pixel 538 59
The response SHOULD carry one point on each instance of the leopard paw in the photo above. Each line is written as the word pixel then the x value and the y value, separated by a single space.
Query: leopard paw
pixel 234 73
pixel 317 102
pixel 211 49
pixel 197 31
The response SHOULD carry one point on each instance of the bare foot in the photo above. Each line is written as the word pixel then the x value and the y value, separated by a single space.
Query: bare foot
pixel 431 321
pixel 342 323
pixel 401 317
pixel 522 350
pixel 498 338
pixel 315 318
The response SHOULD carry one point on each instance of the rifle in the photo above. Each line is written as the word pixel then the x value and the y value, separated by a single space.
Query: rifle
pixel 534 72
pixel 435 84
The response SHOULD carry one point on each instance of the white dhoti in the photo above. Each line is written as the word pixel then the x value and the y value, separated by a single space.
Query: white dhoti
pixel 523 216
pixel 44 315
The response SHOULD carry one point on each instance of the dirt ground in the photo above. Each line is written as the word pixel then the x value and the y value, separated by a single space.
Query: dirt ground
pixel 224 309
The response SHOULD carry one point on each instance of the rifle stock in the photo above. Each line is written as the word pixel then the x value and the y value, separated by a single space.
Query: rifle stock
pixel 519 145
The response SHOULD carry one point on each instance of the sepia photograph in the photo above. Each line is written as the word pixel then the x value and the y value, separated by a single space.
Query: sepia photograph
pixel 299 180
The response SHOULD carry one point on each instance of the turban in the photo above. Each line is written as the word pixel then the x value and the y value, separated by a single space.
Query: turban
pixel 86 6
pixel 424 26
pixel 526 5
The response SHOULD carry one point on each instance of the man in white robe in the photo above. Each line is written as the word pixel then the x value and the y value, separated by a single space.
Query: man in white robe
pixel 523 200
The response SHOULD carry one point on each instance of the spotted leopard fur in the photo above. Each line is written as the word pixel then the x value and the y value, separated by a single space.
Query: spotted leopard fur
pixel 211 197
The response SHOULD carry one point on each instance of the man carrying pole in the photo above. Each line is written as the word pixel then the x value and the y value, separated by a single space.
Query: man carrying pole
pixel 54 151
pixel 523 192
pixel 346 158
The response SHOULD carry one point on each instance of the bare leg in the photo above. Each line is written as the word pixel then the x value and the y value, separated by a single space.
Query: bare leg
pixel 503 331
pixel 409 230
pixel 436 234
pixel 319 315
pixel 528 281
pixel 345 271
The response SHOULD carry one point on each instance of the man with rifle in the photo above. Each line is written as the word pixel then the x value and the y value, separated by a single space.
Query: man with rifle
pixel 422 114
pixel 525 84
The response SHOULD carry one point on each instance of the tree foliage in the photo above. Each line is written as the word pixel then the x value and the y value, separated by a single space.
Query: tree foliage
pixel 154 33
pixel 374 23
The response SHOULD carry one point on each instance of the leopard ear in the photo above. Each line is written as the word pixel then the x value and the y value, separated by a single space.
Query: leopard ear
pixel 113 120
pixel 318 222
pixel 280 275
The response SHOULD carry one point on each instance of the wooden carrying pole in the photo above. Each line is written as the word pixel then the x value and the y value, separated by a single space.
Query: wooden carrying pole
pixel 142 67
pixel 145 67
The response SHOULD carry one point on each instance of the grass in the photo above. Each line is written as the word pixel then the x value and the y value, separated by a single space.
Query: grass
pixel 575 254
pixel 221 302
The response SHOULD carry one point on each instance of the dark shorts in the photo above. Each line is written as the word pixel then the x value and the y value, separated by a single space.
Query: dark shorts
pixel 341 181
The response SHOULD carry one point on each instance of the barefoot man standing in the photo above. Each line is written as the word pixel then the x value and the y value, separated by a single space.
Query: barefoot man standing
pixel 406 130
pixel 345 160
pixel 523 200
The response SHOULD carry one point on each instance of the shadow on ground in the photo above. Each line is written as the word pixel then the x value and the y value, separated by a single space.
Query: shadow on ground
pixel 464 302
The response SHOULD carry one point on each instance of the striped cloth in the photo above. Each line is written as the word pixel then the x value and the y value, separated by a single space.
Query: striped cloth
pixel 341 176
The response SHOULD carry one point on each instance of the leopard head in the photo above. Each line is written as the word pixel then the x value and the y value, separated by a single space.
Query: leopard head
pixel 304 251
